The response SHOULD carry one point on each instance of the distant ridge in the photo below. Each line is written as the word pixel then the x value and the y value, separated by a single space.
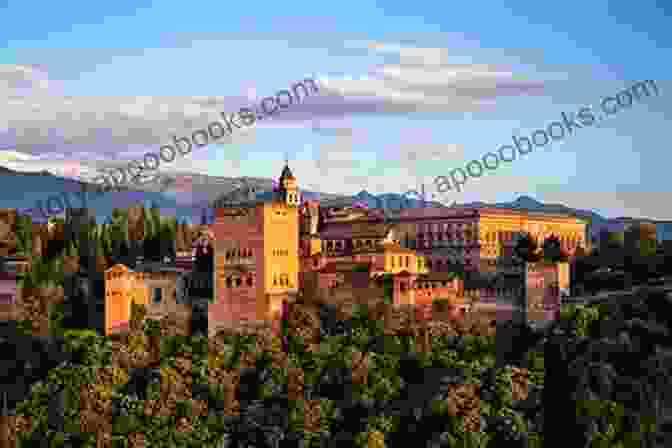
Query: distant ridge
pixel 207 189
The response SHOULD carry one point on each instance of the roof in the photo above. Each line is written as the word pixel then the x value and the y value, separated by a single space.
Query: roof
pixel 286 173
pixel 533 213
pixel 416 213
pixel 356 230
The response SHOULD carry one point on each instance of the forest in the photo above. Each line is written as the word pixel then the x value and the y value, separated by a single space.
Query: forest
pixel 598 377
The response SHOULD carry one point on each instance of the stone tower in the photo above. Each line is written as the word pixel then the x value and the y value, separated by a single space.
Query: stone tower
pixel 287 187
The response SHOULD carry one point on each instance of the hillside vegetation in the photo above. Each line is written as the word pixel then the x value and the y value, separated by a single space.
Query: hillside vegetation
pixel 368 379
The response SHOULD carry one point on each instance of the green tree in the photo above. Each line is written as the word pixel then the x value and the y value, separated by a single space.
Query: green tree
pixel 640 249
pixel 24 234
pixel 150 230
pixel 640 240
pixel 167 237
pixel 612 251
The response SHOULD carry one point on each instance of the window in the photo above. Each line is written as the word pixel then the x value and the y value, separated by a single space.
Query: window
pixel 407 258
pixel 249 281
pixel 157 295
pixel 228 282
pixel 239 282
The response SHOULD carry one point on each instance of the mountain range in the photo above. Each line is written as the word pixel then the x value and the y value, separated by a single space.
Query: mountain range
pixel 187 195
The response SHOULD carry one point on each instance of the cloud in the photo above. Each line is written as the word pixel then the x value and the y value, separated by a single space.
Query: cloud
pixel 105 132
pixel 35 118
pixel 331 131
pixel 16 80
pixel 422 81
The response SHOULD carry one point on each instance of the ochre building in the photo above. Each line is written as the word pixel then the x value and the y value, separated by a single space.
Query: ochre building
pixel 475 238
pixel 256 254
pixel 151 284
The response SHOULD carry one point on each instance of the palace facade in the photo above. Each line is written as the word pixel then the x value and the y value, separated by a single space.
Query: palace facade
pixel 475 238
pixel 273 247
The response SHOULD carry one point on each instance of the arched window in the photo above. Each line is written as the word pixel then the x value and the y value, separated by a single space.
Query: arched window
pixel 284 280
pixel 249 281
pixel 275 281
pixel 228 282
pixel 238 282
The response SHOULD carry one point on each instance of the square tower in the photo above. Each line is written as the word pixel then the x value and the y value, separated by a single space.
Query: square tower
pixel 256 255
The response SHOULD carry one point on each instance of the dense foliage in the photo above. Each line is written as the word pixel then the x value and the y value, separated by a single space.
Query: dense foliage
pixel 369 380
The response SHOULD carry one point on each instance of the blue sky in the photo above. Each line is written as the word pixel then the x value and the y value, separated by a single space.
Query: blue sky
pixel 94 84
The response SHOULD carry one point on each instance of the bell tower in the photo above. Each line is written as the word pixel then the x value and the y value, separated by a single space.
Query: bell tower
pixel 287 187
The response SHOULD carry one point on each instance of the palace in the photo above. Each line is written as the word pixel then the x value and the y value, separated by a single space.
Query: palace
pixel 256 253
pixel 271 247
